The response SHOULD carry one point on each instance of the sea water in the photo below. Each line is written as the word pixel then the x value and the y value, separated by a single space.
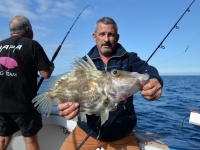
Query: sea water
pixel 168 117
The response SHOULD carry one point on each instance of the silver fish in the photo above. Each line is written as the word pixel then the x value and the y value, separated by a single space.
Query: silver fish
pixel 97 92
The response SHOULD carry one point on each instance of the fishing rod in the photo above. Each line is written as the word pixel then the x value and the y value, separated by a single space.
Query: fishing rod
pixel 160 45
pixel 59 47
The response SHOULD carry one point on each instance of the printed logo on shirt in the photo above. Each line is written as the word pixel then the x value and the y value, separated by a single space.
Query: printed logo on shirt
pixel 7 63
pixel 10 47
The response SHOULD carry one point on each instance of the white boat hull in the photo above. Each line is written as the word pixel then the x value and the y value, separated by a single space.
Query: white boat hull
pixel 56 129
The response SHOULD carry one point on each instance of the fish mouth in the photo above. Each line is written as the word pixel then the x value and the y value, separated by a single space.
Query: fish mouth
pixel 122 97
pixel 118 96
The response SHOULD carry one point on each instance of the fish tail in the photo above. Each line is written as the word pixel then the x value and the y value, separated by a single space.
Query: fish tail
pixel 43 103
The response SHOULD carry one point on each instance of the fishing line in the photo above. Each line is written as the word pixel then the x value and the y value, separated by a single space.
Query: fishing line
pixel 175 56
pixel 59 47
pixel 184 135
pixel 187 48
pixel 161 43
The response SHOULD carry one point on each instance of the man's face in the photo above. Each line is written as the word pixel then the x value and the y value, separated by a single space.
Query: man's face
pixel 106 38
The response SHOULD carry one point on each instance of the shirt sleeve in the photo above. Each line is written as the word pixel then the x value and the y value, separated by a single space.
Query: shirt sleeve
pixel 41 60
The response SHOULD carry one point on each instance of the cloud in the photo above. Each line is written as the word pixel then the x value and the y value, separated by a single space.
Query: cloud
pixel 12 7
pixel 42 13
pixel 53 9
pixel 39 9
pixel 43 6
pixel 42 31
pixel 59 9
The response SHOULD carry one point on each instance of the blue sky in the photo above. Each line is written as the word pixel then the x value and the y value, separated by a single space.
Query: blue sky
pixel 142 26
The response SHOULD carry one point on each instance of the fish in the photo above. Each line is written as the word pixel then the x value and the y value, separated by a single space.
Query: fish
pixel 97 92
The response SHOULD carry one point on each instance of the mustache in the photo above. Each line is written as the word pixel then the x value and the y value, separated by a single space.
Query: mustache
pixel 106 44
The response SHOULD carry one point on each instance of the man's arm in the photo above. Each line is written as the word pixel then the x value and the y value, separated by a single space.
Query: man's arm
pixel 47 73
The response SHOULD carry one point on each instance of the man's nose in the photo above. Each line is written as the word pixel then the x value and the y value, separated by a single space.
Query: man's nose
pixel 106 38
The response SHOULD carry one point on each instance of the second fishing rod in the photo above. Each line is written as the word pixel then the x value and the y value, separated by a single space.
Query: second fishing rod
pixel 59 47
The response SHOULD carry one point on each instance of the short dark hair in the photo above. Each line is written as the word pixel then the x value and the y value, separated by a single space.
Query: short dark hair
pixel 106 20
pixel 18 24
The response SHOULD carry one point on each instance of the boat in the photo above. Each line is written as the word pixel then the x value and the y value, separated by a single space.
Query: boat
pixel 56 129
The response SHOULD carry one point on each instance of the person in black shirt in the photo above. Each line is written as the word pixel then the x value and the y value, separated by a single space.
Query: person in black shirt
pixel 20 60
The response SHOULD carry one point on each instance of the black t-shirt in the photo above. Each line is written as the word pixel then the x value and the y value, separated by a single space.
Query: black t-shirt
pixel 20 60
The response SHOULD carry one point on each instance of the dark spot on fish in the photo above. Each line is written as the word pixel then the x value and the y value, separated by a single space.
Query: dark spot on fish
pixel 105 103
pixel 85 88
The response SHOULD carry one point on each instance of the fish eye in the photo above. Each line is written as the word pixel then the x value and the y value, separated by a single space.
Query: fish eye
pixel 115 72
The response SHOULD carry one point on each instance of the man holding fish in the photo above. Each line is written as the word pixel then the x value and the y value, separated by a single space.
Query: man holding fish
pixel 117 132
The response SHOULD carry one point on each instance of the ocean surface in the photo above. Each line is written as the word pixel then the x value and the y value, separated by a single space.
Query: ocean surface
pixel 168 117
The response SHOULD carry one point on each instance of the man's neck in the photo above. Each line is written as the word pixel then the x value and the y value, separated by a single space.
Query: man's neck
pixel 15 35
pixel 104 58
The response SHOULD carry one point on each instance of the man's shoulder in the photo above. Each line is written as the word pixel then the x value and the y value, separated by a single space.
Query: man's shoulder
pixel 26 40
pixel 130 55
pixel 19 39
pixel 5 40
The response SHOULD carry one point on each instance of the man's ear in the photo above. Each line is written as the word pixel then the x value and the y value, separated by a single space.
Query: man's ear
pixel 94 37
pixel 118 37
pixel 27 30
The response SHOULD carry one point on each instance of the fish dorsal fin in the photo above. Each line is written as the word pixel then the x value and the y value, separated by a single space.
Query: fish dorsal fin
pixel 53 80
pixel 81 64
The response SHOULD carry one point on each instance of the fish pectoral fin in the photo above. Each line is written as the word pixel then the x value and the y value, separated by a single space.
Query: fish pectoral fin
pixel 104 116
pixel 43 104
pixel 83 117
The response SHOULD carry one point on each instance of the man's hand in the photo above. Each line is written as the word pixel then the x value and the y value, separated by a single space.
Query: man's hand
pixel 69 110
pixel 152 90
